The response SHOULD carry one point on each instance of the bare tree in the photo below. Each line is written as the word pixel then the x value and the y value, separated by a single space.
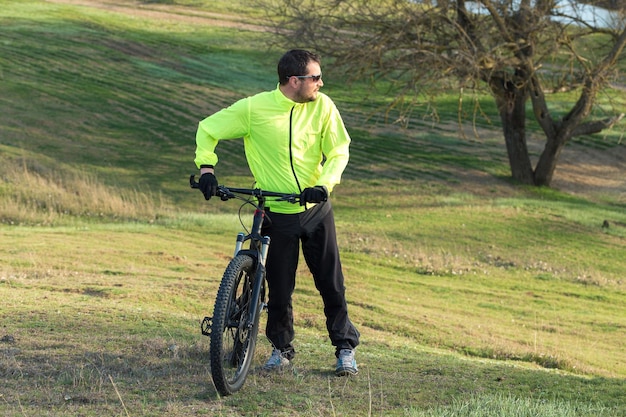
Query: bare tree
pixel 518 50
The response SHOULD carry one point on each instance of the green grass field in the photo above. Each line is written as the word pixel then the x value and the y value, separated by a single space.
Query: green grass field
pixel 474 296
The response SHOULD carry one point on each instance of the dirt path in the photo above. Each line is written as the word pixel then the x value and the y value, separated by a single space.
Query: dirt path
pixel 167 13
pixel 594 172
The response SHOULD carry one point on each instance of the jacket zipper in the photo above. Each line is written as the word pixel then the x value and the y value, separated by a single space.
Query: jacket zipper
pixel 293 170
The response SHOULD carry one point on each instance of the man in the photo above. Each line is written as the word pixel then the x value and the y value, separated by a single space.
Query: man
pixel 295 142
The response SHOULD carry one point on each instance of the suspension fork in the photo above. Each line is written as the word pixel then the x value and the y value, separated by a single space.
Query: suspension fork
pixel 259 278
pixel 259 247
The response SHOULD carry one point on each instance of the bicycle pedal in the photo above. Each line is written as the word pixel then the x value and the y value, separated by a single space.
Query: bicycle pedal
pixel 205 326
pixel 263 306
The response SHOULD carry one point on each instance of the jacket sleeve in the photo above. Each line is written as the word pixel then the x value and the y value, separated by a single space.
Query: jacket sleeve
pixel 335 145
pixel 229 123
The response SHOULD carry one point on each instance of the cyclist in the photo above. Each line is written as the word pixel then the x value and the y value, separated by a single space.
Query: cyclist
pixel 295 142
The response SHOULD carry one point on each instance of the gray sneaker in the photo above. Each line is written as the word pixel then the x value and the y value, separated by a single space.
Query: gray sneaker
pixel 346 364
pixel 276 361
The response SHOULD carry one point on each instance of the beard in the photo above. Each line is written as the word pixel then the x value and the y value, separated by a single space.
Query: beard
pixel 303 96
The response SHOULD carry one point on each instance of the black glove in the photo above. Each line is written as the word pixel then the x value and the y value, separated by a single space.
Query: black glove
pixel 208 185
pixel 315 194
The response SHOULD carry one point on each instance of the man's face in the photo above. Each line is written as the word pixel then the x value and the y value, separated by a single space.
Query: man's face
pixel 308 87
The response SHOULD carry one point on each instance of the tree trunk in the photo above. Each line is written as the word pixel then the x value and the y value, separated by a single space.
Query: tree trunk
pixel 548 159
pixel 554 134
pixel 511 102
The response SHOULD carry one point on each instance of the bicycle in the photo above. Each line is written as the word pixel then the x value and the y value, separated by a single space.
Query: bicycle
pixel 240 299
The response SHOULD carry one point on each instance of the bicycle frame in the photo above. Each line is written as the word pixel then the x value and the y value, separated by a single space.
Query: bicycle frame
pixel 230 363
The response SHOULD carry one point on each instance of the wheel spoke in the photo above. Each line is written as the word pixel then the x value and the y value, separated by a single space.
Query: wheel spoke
pixel 233 337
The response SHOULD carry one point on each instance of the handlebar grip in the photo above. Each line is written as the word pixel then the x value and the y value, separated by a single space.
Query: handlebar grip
pixel 223 193
pixel 192 181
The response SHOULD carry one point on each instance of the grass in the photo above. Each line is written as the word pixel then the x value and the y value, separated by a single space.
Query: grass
pixel 455 317
pixel 136 294
pixel 498 405
pixel 474 297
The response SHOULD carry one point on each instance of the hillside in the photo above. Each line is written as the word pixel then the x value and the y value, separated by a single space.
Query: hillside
pixel 173 114
pixel 474 296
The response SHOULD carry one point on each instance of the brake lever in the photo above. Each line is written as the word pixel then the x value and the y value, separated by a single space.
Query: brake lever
pixel 290 199
pixel 224 193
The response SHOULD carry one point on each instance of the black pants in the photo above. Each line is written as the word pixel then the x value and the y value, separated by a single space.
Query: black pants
pixel 315 228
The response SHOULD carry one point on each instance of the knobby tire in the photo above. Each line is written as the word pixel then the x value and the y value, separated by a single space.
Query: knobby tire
pixel 232 340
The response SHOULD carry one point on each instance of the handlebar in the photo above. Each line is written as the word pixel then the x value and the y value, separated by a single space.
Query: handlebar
pixel 226 193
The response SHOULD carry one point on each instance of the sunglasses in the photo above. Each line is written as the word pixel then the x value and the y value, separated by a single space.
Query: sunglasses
pixel 313 77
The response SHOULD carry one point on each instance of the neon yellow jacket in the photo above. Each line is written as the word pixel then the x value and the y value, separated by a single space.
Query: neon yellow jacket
pixel 289 146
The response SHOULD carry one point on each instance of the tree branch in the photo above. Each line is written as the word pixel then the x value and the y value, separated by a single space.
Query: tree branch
pixel 596 126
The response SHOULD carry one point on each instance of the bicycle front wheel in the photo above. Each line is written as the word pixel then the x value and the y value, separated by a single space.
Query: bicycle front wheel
pixel 233 337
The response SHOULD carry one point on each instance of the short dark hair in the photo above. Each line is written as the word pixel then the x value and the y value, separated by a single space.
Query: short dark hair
pixel 294 62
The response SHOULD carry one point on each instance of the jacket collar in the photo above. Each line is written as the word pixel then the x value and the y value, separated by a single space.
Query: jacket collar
pixel 283 100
